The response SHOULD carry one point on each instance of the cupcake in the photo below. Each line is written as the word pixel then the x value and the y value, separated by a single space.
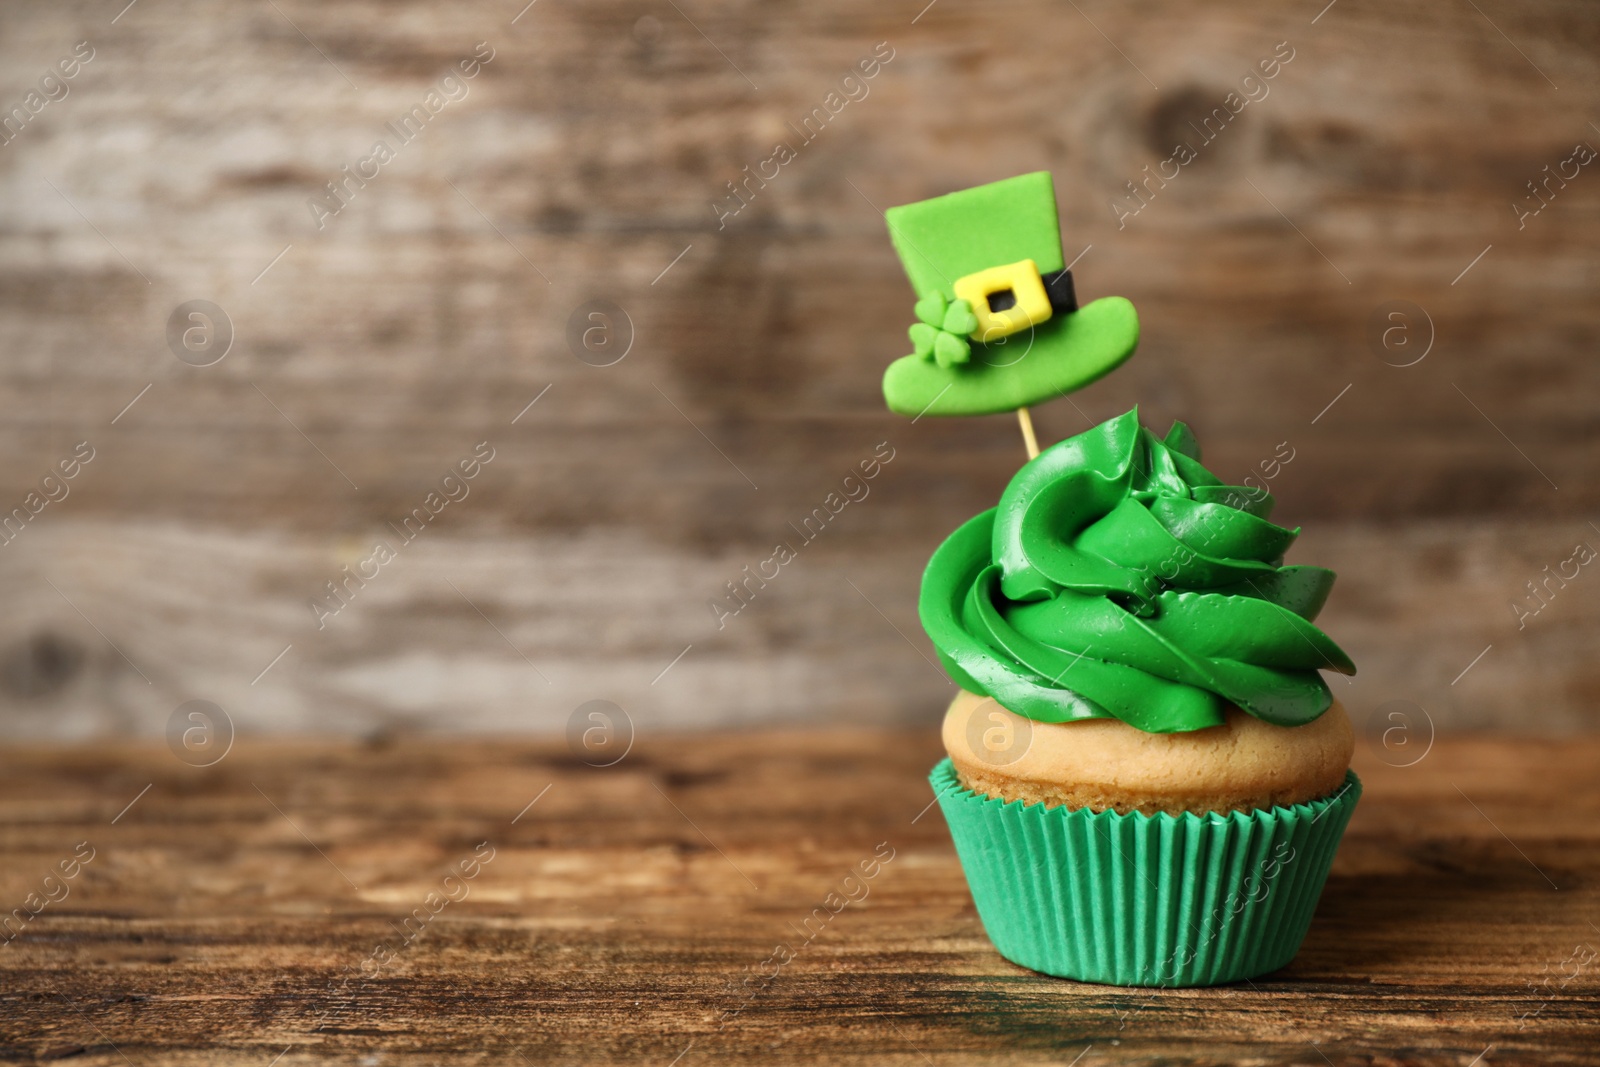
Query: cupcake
pixel 1147 775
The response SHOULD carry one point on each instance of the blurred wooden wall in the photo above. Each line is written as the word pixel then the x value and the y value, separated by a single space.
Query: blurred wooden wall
pixel 582 164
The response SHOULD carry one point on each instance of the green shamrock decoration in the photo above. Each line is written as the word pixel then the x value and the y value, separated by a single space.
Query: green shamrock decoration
pixel 942 333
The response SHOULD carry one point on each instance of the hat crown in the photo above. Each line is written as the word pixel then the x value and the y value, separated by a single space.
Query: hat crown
pixel 961 233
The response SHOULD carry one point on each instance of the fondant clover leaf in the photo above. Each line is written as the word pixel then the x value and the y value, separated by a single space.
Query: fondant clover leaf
pixel 950 349
pixel 923 338
pixel 931 309
pixel 959 319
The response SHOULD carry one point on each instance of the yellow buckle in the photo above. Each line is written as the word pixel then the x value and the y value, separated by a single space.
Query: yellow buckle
pixel 1004 299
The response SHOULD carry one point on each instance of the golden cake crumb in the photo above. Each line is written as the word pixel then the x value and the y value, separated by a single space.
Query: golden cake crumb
pixel 1105 764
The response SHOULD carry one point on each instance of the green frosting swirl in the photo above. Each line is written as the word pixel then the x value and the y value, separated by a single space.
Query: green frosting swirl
pixel 1120 578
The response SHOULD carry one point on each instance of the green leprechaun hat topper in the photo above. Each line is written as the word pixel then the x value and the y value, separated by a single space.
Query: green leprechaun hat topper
pixel 998 325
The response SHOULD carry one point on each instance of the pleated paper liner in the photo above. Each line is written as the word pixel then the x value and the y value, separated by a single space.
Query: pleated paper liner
pixel 1144 900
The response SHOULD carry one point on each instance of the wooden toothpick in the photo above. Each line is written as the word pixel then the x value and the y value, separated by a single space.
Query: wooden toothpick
pixel 1028 439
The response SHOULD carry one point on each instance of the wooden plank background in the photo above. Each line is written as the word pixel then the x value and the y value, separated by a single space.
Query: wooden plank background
pixel 582 164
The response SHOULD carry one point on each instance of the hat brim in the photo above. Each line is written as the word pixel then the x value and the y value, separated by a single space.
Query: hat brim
pixel 1065 353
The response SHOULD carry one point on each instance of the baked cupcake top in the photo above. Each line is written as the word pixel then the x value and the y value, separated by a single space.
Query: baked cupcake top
pixel 1119 578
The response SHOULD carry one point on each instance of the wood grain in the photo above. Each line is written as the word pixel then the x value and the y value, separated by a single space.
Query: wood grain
pixel 582 163
pixel 486 634
pixel 225 916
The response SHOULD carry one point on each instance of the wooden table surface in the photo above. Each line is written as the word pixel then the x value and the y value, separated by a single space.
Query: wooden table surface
pixel 458 902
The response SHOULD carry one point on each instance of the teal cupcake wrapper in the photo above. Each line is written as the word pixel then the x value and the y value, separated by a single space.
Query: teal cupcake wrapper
pixel 1144 900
